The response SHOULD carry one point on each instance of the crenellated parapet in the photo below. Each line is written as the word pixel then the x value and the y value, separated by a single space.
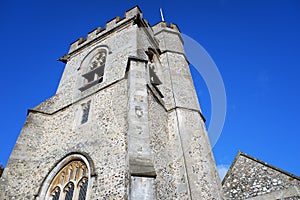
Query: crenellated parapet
pixel 169 37
pixel 110 26
pixel 133 15
pixel 164 26
pixel 125 123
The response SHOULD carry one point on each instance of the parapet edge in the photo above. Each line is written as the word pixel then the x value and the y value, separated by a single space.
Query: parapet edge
pixel 109 25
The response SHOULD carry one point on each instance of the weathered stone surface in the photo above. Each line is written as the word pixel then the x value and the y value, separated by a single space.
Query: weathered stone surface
pixel 45 139
pixel 250 178
pixel 132 131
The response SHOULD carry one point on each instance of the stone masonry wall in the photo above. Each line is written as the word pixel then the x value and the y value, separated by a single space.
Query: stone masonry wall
pixel 174 140
pixel 46 139
pixel 191 139
pixel 171 180
pixel 249 179
pixel 120 46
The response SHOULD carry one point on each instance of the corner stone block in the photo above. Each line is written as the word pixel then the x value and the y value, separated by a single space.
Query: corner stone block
pixel 132 12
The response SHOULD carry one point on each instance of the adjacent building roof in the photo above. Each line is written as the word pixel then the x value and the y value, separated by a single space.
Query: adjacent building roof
pixel 251 178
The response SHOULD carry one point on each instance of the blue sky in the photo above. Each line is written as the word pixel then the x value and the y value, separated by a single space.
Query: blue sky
pixel 255 45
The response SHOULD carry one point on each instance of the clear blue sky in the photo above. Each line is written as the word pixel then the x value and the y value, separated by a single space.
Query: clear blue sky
pixel 254 43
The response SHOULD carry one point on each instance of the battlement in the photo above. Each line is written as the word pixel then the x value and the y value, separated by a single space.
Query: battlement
pixel 132 14
pixel 110 25
pixel 126 92
pixel 164 26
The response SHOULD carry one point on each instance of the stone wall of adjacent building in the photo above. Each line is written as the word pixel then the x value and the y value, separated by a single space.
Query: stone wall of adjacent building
pixel 250 178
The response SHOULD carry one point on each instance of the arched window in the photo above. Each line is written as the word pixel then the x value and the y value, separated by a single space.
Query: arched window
pixel 94 69
pixel 69 191
pixel 154 67
pixel 72 180
pixel 83 189
pixel 55 194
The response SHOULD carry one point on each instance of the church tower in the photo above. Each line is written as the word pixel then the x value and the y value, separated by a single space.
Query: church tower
pixel 125 123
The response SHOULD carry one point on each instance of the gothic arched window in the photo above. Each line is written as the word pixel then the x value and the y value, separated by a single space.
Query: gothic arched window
pixel 94 71
pixel 70 183
pixel 56 193
pixel 83 189
pixel 154 67
pixel 69 191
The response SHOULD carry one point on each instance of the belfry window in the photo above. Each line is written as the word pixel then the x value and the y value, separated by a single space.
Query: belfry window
pixel 153 70
pixel 95 70
pixel 70 183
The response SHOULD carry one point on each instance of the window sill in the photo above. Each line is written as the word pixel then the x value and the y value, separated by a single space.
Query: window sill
pixel 91 84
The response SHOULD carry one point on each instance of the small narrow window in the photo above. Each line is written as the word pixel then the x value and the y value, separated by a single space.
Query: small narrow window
pixel 85 112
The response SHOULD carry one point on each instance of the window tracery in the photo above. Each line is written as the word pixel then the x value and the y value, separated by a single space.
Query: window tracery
pixel 69 191
pixel 56 193
pixel 95 70
pixel 83 189
pixel 70 183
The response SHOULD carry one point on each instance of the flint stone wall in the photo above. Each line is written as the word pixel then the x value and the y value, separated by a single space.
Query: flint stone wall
pixel 46 139
pixel 250 179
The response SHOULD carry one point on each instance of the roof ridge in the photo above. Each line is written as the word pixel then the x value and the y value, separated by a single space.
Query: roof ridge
pixel 240 153
pixel 269 165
